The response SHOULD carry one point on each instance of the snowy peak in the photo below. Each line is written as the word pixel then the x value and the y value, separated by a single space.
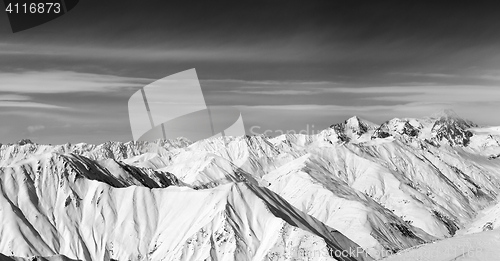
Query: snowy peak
pixel 396 127
pixel 12 153
pixel 442 127
pixel 354 129
pixel 452 128
pixel 24 142
pixel 359 126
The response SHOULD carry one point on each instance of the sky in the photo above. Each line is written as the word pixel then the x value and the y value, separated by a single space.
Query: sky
pixel 286 65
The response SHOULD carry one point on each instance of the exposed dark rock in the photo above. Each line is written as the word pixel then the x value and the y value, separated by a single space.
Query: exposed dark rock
pixel 454 129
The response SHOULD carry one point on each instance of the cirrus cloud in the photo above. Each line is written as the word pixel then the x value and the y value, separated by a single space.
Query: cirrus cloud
pixel 64 82
pixel 35 128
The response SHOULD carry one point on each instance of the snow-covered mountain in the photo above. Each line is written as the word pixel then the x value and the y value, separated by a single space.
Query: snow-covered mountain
pixel 84 209
pixel 376 189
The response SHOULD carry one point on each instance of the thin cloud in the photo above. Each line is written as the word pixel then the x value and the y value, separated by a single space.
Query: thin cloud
pixel 490 75
pixel 350 109
pixel 264 51
pixel 263 82
pixel 35 128
pixel 275 92
pixel 284 87
pixel 14 97
pixel 447 93
pixel 33 105
pixel 65 82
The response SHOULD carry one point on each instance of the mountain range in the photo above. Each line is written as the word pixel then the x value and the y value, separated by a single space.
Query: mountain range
pixel 355 191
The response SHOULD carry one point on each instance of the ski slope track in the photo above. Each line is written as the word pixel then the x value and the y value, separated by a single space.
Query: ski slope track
pixel 355 191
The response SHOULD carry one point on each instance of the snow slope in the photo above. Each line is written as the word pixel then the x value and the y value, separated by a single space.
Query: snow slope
pixel 55 205
pixel 383 188
pixel 35 258
pixel 483 246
